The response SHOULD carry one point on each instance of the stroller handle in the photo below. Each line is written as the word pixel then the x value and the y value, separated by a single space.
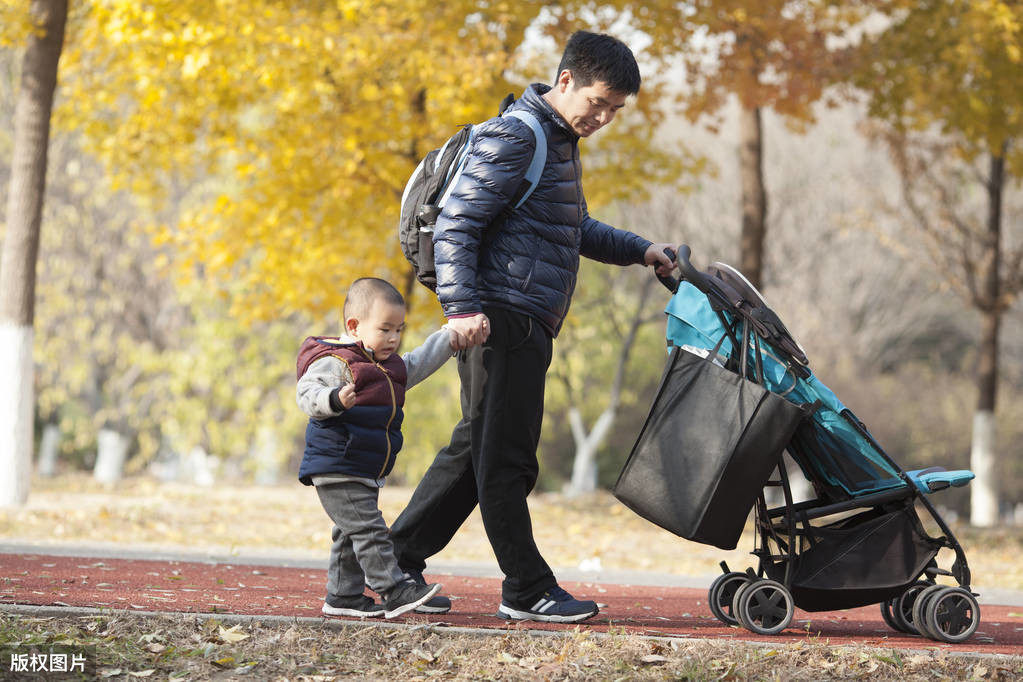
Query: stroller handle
pixel 689 273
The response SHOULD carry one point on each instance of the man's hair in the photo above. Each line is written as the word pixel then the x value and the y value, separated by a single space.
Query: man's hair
pixel 367 292
pixel 597 57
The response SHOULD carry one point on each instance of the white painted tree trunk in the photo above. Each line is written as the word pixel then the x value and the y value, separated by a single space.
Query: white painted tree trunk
pixel 17 400
pixel 584 466
pixel 984 488
pixel 46 464
pixel 21 245
pixel 111 452
pixel 199 467
pixel 267 457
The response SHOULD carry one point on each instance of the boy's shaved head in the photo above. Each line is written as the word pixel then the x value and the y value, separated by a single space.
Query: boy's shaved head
pixel 367 291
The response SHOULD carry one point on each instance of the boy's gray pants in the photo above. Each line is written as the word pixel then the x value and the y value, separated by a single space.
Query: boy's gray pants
pixel 361 552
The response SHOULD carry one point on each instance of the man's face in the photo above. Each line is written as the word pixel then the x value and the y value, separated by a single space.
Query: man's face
pixel 587 108
pixel 379 330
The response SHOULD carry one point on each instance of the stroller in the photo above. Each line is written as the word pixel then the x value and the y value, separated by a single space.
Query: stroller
pixel 736 396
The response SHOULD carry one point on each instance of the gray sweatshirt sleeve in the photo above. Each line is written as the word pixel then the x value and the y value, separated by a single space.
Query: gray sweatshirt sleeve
pixel 429 357
pixel 324 377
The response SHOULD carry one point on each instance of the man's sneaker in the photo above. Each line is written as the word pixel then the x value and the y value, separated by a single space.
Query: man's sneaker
pixel 406 596
pixel 554 606
pixel 438 604
pixel 359 607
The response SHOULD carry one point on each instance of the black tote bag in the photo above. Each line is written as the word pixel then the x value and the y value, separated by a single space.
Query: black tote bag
pixel 707 448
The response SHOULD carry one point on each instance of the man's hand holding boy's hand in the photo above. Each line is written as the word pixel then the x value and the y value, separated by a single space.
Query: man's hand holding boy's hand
pixel 467 332
pixel 655 256
pixel 347 395
pixel 457 340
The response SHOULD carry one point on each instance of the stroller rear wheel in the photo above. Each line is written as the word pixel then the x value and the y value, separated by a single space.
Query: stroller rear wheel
pixel 721 593
pixel 888 614
pixel 953 614
pixel 765 607
pixel 903 606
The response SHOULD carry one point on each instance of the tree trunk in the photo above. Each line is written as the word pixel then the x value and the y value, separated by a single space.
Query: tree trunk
pixel 47 464
pixel 983 454
pixel 584 464
pixel 267 457
pixel 111 453
pixel 21 247
pixel 754 196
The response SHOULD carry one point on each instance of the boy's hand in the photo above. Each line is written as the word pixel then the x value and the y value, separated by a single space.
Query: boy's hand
pixel 347 395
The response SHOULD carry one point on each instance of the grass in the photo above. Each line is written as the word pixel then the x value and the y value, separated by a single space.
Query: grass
pixel 286 520
pixel 189 647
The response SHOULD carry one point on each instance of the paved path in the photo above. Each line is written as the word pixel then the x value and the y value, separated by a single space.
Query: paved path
pixel 136 582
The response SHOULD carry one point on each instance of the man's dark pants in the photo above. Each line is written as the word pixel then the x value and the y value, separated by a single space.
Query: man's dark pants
pixel 491 459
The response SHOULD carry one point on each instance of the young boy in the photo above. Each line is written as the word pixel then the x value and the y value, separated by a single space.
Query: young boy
pixel 353 389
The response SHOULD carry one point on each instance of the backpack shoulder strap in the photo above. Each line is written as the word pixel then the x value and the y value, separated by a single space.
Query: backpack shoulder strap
pixel 535 169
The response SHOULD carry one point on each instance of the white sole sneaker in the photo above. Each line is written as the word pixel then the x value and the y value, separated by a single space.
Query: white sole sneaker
pixel 405 608
pixel 329 610
pixel 509 613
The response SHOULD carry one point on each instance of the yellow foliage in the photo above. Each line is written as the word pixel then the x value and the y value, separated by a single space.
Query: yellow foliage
pixel 954 65
pixel 15 22
pixel 312 116
pixel 302 123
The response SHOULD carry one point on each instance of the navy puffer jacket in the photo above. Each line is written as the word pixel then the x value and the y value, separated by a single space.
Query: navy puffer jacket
pixel 529 265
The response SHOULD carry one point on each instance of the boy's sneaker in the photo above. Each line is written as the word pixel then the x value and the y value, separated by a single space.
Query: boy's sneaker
pixel 438 604
pixel 406 596
pixel 359 607
pixel 554 606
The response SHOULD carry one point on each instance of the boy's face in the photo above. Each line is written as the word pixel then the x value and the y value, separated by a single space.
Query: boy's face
pixel 380 329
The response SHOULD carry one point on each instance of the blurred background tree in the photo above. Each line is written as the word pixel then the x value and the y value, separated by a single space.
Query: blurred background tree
pixel 944 70
pixel 780 55
pixel 226 169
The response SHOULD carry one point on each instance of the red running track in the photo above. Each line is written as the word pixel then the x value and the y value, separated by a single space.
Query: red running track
pixel 197 587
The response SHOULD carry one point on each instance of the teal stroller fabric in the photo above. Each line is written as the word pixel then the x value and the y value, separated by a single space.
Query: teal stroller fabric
pixel 833 443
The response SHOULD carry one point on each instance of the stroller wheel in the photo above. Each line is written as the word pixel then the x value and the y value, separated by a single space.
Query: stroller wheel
pixel 722 590
pixel 765 607
pixel 888 613
pixel 737 611
pixel 903 606
pixel 920 609
pixel 953 614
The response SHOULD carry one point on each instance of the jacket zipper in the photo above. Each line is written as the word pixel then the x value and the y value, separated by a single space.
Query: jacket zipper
pixel 394 411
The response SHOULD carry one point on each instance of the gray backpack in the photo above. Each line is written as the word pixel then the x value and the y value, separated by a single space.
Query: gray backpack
pixel 431 183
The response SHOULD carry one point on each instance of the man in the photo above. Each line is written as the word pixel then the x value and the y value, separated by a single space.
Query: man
pixel 506 291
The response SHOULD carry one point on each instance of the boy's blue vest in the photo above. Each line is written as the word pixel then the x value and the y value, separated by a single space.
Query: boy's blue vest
pixel 364 439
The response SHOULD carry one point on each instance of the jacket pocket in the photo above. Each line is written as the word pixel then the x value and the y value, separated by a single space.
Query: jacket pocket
pixel 535 244
pixel 331 437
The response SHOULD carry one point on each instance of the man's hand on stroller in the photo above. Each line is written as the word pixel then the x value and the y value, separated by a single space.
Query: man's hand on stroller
pixel 657 255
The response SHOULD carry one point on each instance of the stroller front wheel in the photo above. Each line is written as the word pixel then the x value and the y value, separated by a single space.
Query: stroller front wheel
pixel 953 614
pixel 765 607
pixel 921 607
